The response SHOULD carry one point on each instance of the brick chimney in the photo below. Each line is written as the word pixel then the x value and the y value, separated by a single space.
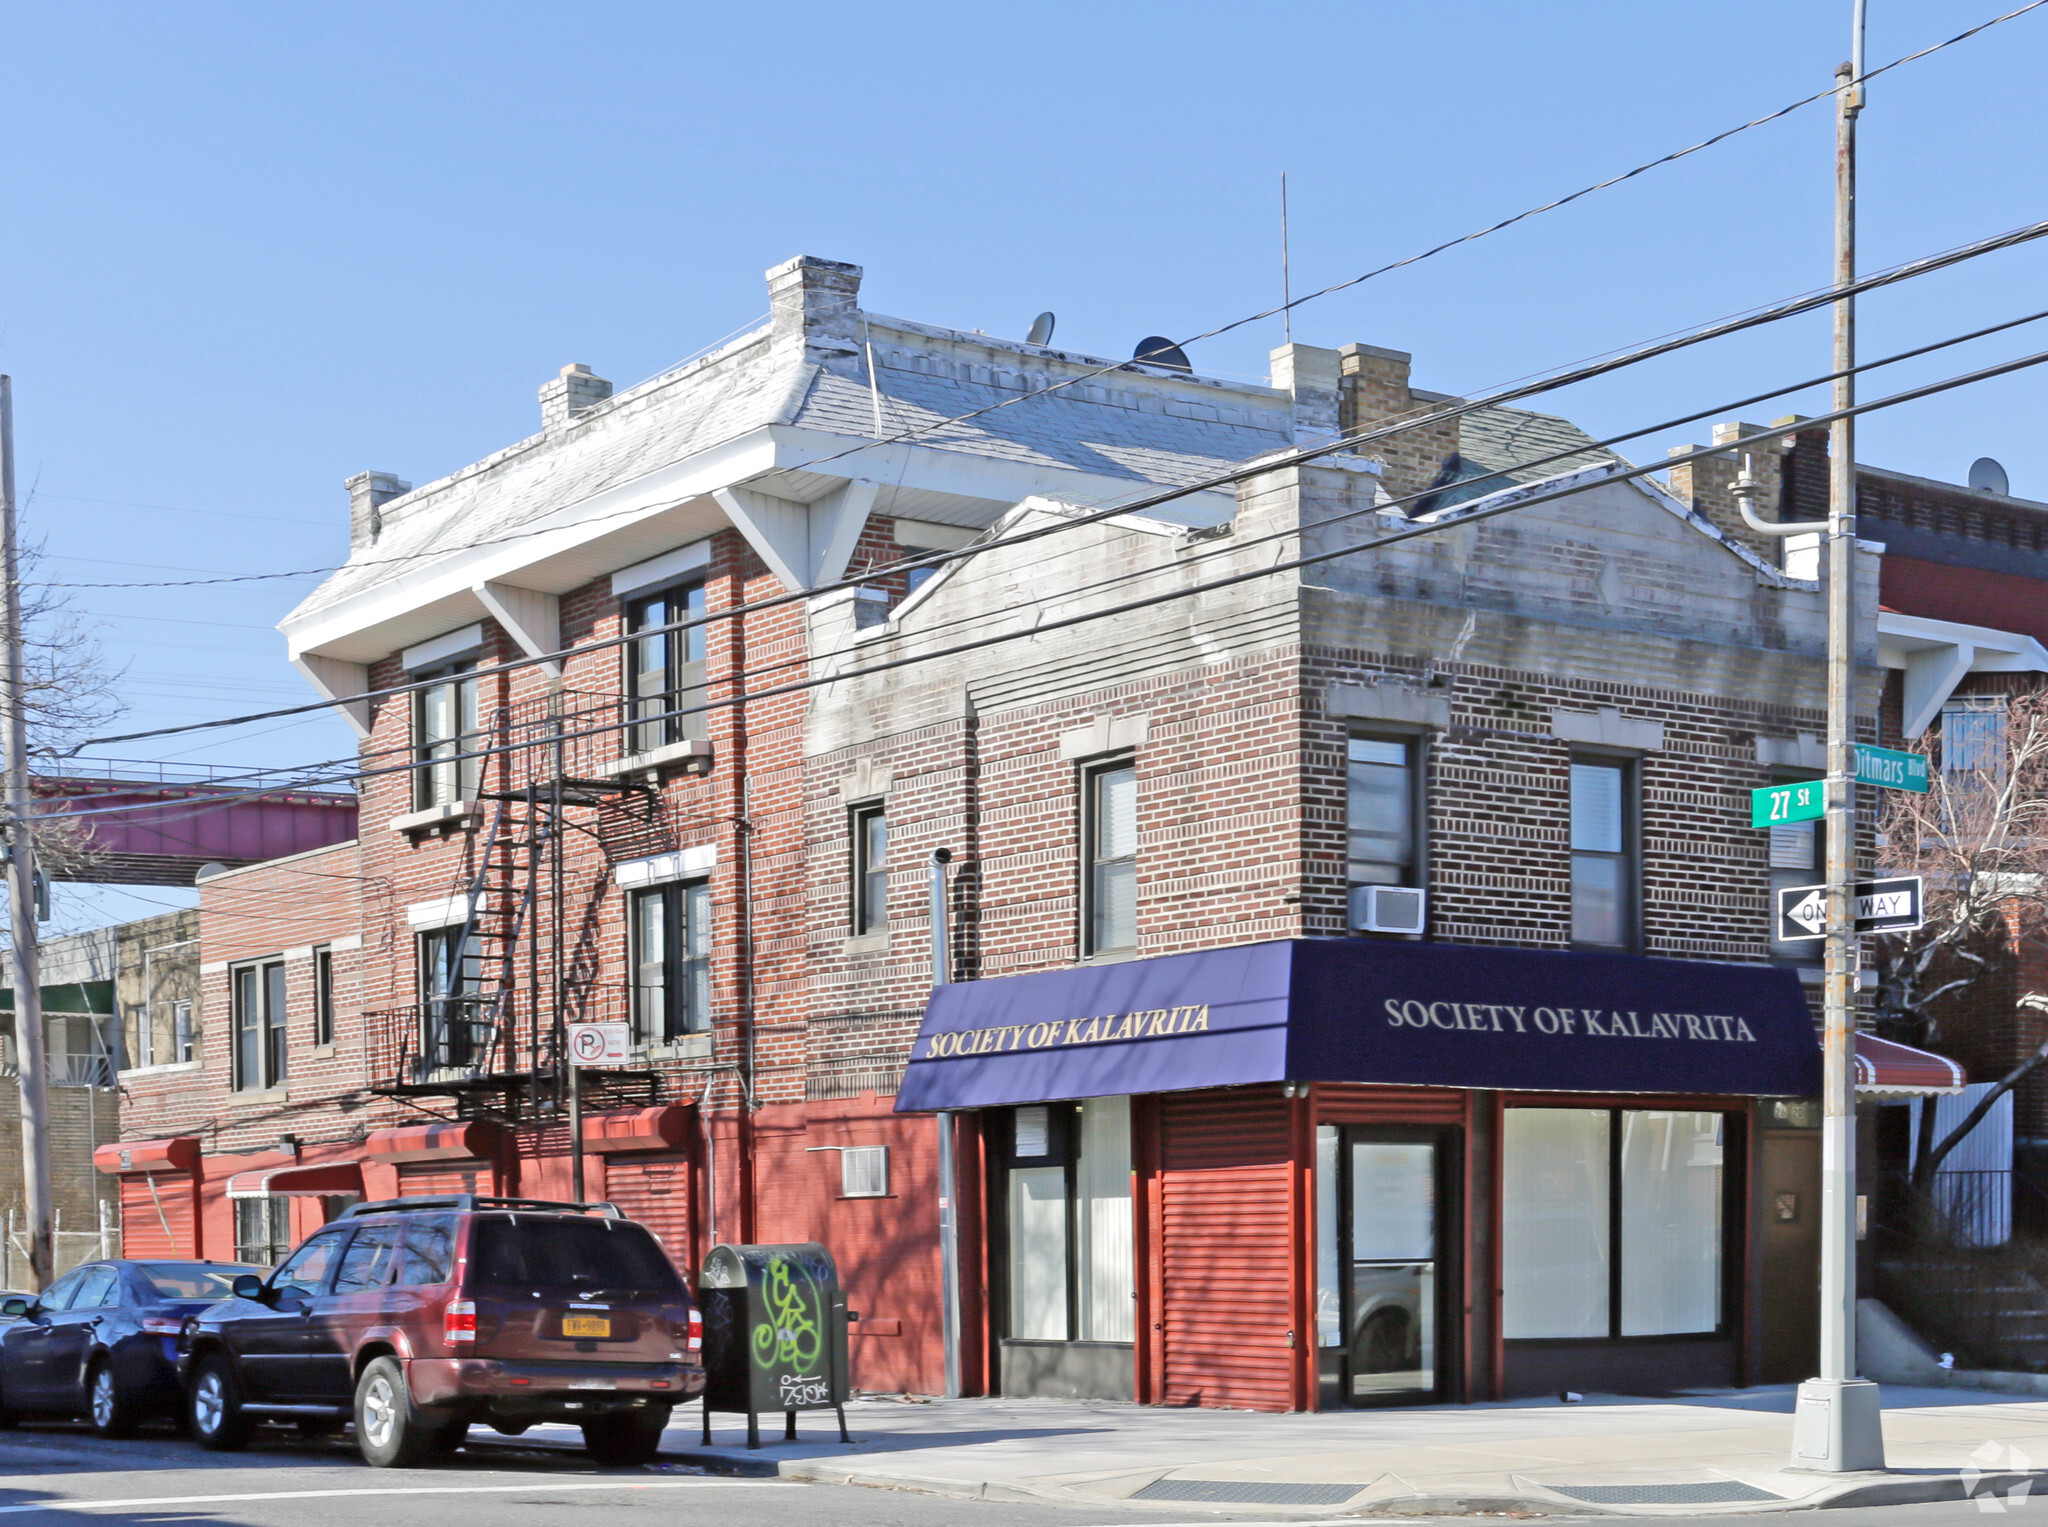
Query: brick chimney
pixel 1376 392
pixel 368 493
pixel 1803 491
pixel 573 392
pixel 816 304
pixel 1708 484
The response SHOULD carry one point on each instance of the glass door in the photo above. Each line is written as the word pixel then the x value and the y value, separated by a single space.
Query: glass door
pixel 1391 1266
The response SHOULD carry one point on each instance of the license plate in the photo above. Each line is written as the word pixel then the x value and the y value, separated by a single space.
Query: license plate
pixel 586 1325
pixel 590 1383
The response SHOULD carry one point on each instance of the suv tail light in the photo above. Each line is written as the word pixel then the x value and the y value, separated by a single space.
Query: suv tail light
pixel 693 1334
pixel 458 1321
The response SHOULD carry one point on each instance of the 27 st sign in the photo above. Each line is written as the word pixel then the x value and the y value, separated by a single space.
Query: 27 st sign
pixel 1882 906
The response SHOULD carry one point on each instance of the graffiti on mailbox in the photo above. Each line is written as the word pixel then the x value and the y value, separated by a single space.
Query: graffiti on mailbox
pixel 793 1335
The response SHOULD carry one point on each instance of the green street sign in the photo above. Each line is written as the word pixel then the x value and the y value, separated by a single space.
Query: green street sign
pixel 1804 800
pixel 1891 768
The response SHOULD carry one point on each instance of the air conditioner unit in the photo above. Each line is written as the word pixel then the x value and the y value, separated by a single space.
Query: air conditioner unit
pixel 1389 908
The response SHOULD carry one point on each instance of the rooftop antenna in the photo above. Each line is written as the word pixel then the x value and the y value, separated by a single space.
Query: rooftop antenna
pixel 1286 275
pixel 1987 476
pixel 1041 330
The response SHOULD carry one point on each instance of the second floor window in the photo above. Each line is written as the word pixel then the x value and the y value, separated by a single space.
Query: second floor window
pixel 451 971
pixel 1109 847
pixel 870 870
pixel 323 996
pixel 259 1020
pixel 445 738
pixel 1379 817
pixel 671 954
pixel 665 669
pixel 1603 878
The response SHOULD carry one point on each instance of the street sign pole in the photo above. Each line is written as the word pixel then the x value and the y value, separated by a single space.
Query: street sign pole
pixel 1836 1425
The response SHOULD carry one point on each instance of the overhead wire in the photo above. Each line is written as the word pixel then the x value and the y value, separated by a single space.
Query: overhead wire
pixel 1339 444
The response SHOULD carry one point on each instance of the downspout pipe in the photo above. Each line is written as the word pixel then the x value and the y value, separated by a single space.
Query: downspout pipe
pixel 949 1231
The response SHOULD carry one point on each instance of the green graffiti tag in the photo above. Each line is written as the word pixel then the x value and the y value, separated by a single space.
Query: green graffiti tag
pixel 793 1334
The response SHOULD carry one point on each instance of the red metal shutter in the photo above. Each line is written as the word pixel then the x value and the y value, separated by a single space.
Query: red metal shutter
pixel 430 1179
pixel 655 1190
pixel 159 1223
pixel 1226 1265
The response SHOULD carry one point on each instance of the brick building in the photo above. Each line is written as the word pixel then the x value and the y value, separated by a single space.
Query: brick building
pixel 663 722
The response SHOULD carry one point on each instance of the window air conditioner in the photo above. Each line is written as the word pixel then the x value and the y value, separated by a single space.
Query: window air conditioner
pixel 1389 908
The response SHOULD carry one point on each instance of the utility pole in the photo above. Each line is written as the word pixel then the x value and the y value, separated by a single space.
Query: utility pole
pixel 949 1187
pixel 32 1073
pixel 1836 1425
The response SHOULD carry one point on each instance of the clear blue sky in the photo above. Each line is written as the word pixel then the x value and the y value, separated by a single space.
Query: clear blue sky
pixel 248 250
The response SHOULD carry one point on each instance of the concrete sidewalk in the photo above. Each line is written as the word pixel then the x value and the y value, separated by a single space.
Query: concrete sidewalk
pixel 1725 1452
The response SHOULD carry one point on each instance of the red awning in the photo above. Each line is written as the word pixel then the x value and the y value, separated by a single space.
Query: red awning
pixel 180 1153
pixel 638 1129
pixel 298 1181
pixel 473 1140
pixel 1887 1069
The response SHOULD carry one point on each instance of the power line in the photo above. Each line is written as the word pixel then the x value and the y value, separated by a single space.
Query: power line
pixel 1534 495
pixel 1299 455
pixel 918 431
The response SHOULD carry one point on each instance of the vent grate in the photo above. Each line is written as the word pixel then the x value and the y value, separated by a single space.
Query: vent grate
pixel 1703 1492
pixel 1250 1492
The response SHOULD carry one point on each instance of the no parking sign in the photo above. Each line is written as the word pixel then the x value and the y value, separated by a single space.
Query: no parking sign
pixel 600 1044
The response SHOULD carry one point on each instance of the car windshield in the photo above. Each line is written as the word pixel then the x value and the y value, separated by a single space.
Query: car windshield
pixel 193 1280
pixel 520 1251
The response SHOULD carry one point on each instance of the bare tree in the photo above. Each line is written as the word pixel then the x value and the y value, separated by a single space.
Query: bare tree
pixel 1979 840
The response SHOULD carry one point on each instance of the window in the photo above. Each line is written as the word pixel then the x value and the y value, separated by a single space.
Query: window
pixel 871 870
pixel 101 1287
pixel 429 1254
pixel 260 1034
pixel 671 953
pixel 451 970
pixel 1611 1223
pixel 183 1033
pixel 864 1171
pixel 1973 739
pixel 371 1260
pixel 263 1230
pixel 59 1294
pixel 1072 1271
pixel 306 1272
pixel 1797 858
pixel 445 737
pixel 1379 818
pixel 1603 880
pixel 1110 846
pixel 323 996
pixel 665 669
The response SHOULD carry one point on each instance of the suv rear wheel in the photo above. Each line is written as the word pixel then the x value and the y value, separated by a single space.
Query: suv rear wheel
pixel 215 1406
pixel 631 1438
pixel 390 1431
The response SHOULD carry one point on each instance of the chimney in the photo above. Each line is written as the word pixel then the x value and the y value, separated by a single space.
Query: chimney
pixel 1311 375
pixel 1707 485
pixel 1376 392
pixel 572 393
pixel 368 493
pixel 1804 492
pixel 816 304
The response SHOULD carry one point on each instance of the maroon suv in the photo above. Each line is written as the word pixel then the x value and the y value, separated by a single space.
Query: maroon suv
pixel 418 1317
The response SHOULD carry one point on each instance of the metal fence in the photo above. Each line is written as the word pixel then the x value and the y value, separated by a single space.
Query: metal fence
pixel 71 1246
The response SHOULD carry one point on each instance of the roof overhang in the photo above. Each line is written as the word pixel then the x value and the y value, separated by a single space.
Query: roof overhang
pixel 1887 1069
pixel 299 1181
pixel 1936 655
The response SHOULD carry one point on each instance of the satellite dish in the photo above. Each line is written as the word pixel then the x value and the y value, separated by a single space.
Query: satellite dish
pixel 1041 330
pixel 1155 350
pixel 1987 476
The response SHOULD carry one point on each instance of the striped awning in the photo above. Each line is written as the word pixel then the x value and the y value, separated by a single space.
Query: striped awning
pixel 1887 1069
pixel 298 1181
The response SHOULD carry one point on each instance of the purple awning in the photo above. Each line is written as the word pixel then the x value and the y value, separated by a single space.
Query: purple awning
pixel 1358 1010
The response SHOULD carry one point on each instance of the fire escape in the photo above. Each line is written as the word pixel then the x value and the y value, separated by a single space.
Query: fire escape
pixel 487 1037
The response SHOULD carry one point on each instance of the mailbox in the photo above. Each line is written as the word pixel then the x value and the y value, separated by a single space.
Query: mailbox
pixel 774 1335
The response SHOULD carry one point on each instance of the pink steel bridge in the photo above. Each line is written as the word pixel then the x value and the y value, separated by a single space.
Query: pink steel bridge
pixel 158 824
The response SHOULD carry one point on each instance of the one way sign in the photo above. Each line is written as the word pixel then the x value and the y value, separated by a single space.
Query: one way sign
pixel 1882 906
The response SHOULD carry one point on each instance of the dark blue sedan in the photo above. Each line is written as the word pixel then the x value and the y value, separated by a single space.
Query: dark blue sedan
pixel 102 1341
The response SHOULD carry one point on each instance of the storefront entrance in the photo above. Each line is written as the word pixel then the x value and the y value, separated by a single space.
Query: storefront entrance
pixel 1386 1213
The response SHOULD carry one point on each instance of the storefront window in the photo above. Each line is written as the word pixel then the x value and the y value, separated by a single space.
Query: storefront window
pixel 1600 1205
pixel 1071 1265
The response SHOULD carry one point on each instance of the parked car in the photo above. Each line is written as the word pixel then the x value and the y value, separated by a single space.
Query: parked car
pixel 417 1318
pixel 102 1341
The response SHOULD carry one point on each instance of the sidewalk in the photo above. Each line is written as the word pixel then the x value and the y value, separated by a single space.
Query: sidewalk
pixel 1723 1452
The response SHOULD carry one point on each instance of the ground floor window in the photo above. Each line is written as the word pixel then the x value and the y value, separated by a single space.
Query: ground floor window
pixel 1611 1222
pixel 1072 1273
pixel 263 1230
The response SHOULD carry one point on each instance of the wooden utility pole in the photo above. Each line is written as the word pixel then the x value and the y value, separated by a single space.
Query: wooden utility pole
pixel 32 1073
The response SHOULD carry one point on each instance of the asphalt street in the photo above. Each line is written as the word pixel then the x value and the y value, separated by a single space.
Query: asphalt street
pixel 57 1473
